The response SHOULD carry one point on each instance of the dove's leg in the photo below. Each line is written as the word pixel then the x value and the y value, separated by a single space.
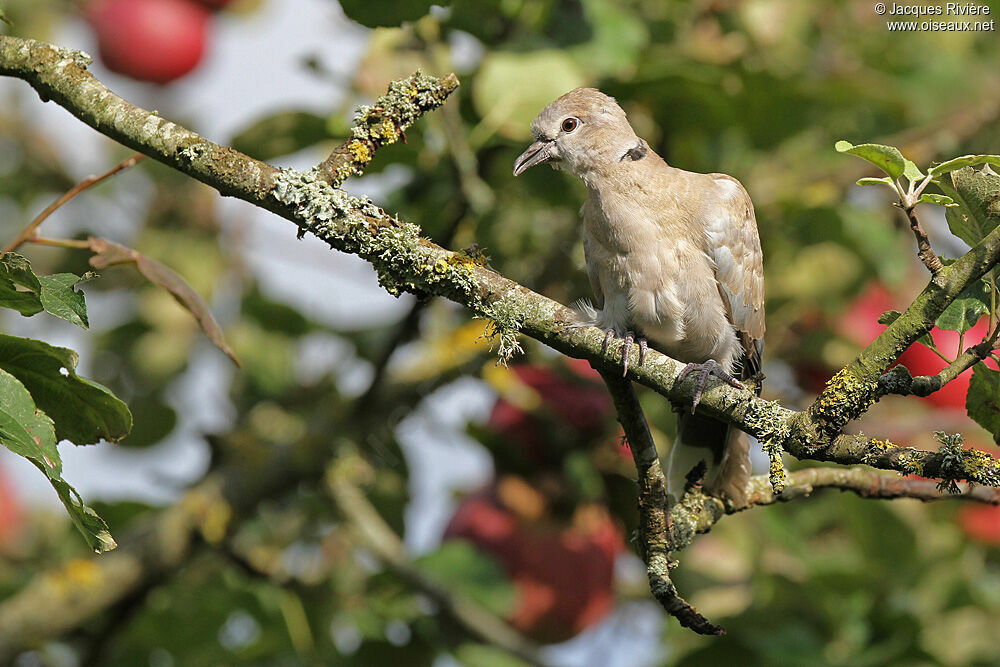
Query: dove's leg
pixel 710 367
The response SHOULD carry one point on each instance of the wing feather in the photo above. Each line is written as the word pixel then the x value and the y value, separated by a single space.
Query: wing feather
pixel 734 245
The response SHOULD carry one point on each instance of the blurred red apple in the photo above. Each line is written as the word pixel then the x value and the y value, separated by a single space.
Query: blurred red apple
pixel 10 511
pixel 216 4
pixel 574 410
pixel 981 523
pixel 562 574
pixel 920 360
pixel 860 324
pixel 150 40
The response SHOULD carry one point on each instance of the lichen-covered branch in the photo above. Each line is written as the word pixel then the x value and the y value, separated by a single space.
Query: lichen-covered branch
pixel 698 512
pixel 655 530
pixel 405 261
pixel 385 122
pixel 899 381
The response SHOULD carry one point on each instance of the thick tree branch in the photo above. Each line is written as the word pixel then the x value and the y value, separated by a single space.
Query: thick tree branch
pixel 655 530
pixel 406 262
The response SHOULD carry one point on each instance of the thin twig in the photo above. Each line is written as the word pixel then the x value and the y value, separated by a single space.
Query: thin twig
pixel 655 525
pixel 898 379
pixel 924 250
pixel 29 232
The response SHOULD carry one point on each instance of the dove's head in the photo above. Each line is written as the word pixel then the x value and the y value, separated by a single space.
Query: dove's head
pixel 583 132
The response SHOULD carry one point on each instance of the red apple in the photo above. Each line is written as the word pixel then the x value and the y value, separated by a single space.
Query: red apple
pixel 860 324
pixel 920 360
pixel 10 511
pixel 562 575
pixel 573 411
pixel 150 40
pixel 981 523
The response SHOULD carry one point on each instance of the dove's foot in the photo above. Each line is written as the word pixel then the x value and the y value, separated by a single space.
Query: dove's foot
pixel 627 342
pixel 710 367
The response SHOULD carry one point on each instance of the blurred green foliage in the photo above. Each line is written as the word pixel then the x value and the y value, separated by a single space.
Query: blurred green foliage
pixel 758 89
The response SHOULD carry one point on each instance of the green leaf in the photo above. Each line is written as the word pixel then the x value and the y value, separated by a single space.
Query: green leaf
pixel 983 400
pixel 17 269
pixel 385 13
pixel 912 171
pixel 886 158
pixel 26 303
pixel 940 200
pixel 885 180
pixel 93 528
pixel 84 412
pixel 963 161
pixel 963 313
pixel 29 432
pixel 24 429
pixel 458 564
pixel 54 294
pixel 60 299
pixel 977 194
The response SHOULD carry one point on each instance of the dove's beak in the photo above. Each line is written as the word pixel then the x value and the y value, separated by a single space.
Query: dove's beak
pixel 537 153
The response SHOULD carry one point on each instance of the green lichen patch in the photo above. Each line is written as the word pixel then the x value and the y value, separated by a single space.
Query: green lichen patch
pixel 502 329
pixel 772 431
pixel 81 58
pixel 356 225
pixel 845 398
pixel 386 121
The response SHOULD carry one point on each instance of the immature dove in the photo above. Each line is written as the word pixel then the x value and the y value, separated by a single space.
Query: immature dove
pixel 673 257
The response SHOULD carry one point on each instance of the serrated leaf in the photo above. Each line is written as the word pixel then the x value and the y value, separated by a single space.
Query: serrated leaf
pixel 24 429
pixel 982 402
pixel 29 432
pixel 978 197
pixel 92 526
pixel 963 161
pixel 84 412
pixel 26 303
pixel 54 294
pixel 869 180
pixel 108 253
pixel 60 299
pixel 460 565
pixel 886 158
pixel 17 269
pixel 912 171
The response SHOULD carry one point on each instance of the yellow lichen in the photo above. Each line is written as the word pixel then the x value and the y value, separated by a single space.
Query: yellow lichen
pixel 362 154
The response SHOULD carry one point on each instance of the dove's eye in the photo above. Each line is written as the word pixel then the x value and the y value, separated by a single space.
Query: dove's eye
pixel 570 124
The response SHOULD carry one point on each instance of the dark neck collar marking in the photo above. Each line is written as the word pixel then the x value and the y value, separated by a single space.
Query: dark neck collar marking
pixel 637 152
